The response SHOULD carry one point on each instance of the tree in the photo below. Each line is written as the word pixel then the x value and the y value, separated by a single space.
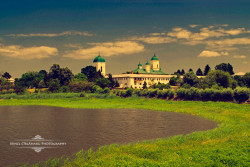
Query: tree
pixel 30 79
pixel 64 75
pixel 246 79
pixel 80 77
pixel 199 72
pixel 90 72
pixel 112 82
pixel 240 80
pixel 182 72
pixel 225 67
pixel 144 85
pixel 221 78
pixel 102 82
pixel 207 69
pixel 190 78
pixel 178 72
pixel 54 85
pixel 190 70
pixel 6 75
pixel 175 81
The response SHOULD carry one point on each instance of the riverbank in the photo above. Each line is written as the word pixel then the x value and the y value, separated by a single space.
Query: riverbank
pixel 227 145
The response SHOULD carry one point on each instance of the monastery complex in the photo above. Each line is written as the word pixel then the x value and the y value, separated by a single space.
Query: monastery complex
pixel 151 74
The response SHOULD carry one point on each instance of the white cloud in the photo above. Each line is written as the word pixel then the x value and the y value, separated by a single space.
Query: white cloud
pixel 240 73
pixel 65 33
pixel 193 25
pixel 207 53
pixel 106 49
pixel 27 53
pixel 180 33
pixel 239 56
pixel 154 39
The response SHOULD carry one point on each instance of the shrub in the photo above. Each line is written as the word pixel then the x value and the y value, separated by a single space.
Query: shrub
pixel 227 94
pixel 129 92
pixel 99 90
pixel 94 88
pixel 106 90
pixel 166 94
pixel 153 93
pixel 145 92
pixel 241 94
pixel 138 92
pixel 79 86
pixel 82 94
pixel 64 89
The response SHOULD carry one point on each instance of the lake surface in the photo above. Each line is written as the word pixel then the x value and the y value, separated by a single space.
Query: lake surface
pixel 77 129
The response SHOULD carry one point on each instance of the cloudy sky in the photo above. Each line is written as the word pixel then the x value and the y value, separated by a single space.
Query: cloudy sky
pixel 182 33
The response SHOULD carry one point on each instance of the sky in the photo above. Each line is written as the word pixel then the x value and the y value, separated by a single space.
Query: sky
pixel 183 34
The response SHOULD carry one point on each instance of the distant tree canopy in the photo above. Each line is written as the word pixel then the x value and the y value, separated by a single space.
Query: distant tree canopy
pixel 6 75
pixel 243 81
pixel 29 79
pixel 190 70
pixel 225 67
pixel 199 72
pixel 80 77
pixel 190 78
pixel 102 82
pixel 90 72
pixel 220 78
pixel 64 75
pixel 175 81
pixel 206 70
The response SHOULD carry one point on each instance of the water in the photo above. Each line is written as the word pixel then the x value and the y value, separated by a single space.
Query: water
pixel 84 129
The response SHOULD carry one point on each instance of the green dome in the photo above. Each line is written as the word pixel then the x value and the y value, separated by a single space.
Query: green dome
pixel 99 59
pixel 139 64
pixel 147 63
pixel 154 57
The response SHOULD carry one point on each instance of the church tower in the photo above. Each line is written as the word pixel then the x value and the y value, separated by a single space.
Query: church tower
pixel 155 63
pixel 139 66
pixel 147 67
pixel 99 63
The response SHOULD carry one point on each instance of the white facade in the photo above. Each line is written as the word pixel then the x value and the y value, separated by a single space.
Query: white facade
pixel 155 65
pixel 137 80
pixel 100 66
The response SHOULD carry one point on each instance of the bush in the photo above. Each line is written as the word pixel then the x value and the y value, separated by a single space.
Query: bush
pixel 99 90
pixel 138 92
pixel 129 92
pixel 145 92
pixel 241 94
pixel 153 93
pixel 80 86
pixel 94 88
pixel 64 89
pixel 106 90
pixel 166 94
pixel 82 94
pixel 227 94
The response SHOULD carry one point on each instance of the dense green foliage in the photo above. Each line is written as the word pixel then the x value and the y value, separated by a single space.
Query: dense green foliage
pixel 225 67
pixel 226 145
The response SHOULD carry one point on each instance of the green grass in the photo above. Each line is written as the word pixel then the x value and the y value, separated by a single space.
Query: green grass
pixel 226 145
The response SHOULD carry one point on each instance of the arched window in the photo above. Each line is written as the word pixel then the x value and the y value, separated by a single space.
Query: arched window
pixel 157 65
pixel 101 68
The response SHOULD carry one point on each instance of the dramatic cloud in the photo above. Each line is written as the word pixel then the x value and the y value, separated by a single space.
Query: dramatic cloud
pixel 65 33
pixel 106 49
pixel 239 56
pixel 207 53
pixel 27 53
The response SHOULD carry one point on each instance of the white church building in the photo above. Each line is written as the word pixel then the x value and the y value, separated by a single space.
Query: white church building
pixel 151 74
